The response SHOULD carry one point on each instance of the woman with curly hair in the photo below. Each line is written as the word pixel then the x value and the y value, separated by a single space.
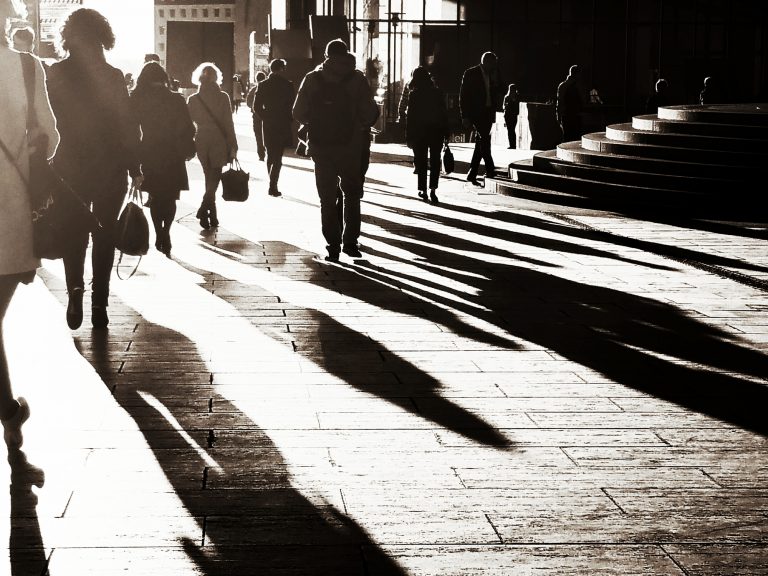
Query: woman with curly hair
pixel 215 140
pixel 99 147
pixel 17 142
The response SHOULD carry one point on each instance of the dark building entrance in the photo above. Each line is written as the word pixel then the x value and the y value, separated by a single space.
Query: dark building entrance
pixel 190 43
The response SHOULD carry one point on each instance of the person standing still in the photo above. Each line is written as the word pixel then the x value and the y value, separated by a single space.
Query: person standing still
pixel 478 101
pixel 17 260
pixel 569 105
pixel 511 108
pixel 336 103
pixel 98 149
pixel 258 130
pixel 272 103
pixel 215 140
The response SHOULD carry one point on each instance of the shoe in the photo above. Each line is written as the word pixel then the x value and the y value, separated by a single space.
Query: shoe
pixel 99 318
pixel 12 426
pixel 212 216
pixel 167 245
pixel 75 308
pixel 433 197
pixel 202 216
pixel 332 257
pixel 275 193
pixel 423 194
pixel 352 251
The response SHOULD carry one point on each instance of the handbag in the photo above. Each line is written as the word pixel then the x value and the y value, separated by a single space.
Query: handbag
pixel 132 233
pixel 448 163
pixel 234 183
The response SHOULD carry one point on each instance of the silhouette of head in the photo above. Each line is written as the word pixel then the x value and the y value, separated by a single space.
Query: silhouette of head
pixel 489 61
pixel 85 28
pixel 206 73
pixel 574 71
pixel 336 48
pixel 277 65
pixel 260 76
pixel 661 86
pixel 151 73
pixel 420 78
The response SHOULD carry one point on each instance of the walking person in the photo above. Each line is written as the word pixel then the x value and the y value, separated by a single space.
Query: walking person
pixel 237 93
pixel 426 128
pixel 570 103
pixel 478 101
pixel 17 261
pixel 215 139
pixel 167 142
pixel 272 103
pixel 98 149
pixel 336 103
pixel 258 128
pixel 511 107
pixel 658 97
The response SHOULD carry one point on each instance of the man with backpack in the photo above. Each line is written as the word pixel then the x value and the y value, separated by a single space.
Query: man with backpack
pixel 336 104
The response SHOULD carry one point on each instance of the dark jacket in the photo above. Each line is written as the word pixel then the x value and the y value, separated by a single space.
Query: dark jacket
pixel 426 116
pixel 99 134
pixel 215 139
pixel 473 96
pixel 167 139
pixel 272 102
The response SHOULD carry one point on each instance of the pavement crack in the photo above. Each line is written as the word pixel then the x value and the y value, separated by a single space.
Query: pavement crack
pixel 569 457
pixel 344 502
pixel 456 473
pixel 664 440
pixel 711 478
pixel 672 558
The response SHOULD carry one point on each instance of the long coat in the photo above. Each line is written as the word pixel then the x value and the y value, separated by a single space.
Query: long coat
pixel 16 255
pixel 167 139
pixel 272 103
pixel 215 140
pixel 99 134
pixel 426 116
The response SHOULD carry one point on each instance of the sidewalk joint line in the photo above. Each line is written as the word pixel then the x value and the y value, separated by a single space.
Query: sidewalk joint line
pixel 664 440
pixel 711 478
pixel 672 558
pixel 569 457
pixel 611 498
pixel 501 540
pixel 343 501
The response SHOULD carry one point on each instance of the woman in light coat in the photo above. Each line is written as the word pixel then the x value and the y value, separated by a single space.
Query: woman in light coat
pixel 215 140
pixel 17 261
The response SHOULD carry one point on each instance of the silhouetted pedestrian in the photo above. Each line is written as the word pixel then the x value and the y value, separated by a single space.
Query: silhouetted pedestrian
pixel 99 146
pixel 511 108
pixel 478 100
pixel 167 142
pixel 710 93
pixel 426 129
pixel 272 103
pixel 658 97
pixel 238 93
pixel 17 261
pixel 570 102
pixel 215 140
pixel 336 104
pixel 258 129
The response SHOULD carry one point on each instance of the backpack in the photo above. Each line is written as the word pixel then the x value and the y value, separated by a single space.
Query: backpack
pixel 332 112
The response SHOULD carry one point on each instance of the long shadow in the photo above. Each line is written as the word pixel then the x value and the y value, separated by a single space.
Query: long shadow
pixel 642 343
pixel 228 474
pixel 26 547
pixel 451 241
pixel 679 220
pixel 343 357
pixel 574 232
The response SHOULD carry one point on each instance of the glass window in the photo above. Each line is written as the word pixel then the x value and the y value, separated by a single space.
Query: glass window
pixel 161 13
pixel 194 12
pixel 161 47
pixel 173 13
pixel 216 13
pixel 228 12
pixel 205 12
pixel 183 12
pixel 162 30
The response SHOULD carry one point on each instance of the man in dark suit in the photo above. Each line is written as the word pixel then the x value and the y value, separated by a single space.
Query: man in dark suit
pixel 272 103
pixel 570 103
pixel 478 100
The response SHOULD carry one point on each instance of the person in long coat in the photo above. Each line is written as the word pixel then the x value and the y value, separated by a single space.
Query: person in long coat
pixel 426 128
pixel 272 103
pixel 167 142
pixel 215 140
pixel 17 260
pixel 99 148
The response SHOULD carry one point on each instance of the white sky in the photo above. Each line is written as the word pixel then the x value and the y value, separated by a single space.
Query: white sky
pixel 133 23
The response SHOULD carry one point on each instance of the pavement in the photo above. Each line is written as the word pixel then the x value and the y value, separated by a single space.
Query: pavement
pixel 496 387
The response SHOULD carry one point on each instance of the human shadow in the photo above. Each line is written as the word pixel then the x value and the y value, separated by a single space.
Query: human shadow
pixel 648 345
pixel 226 471
pixel 345 357
pixel 26 547
pixel 522 238
pixel 669 250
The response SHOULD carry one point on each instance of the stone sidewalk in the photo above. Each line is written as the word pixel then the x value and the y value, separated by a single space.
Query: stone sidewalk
pixel 496 387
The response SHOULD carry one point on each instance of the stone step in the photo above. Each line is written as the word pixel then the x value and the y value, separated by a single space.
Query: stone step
pixel 599 142
pixel 652 122
pixel 549 162
pixel 574 152
pixel 628 133
pixel 741 114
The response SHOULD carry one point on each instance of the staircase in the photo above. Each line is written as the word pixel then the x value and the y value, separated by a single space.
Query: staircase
pixel 698 161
